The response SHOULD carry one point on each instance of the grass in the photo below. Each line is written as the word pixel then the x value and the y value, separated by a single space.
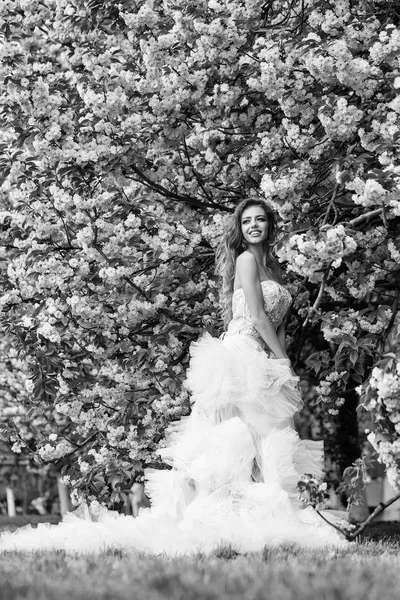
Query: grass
pixel 366 571
pixel 369 570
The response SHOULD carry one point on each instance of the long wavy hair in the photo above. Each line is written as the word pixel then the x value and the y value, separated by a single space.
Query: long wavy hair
pixel 232 244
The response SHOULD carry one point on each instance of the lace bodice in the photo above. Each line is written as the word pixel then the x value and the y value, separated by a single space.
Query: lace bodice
pixel 276 303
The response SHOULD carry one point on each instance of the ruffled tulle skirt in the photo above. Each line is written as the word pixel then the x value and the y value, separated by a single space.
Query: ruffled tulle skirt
pixel 235 460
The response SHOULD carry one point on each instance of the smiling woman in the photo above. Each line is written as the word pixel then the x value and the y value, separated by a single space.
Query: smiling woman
pixel 236 460
pixel 255 225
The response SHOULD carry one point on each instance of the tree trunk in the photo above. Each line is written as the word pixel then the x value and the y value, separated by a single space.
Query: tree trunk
pixel 392 512
pixel 63 494
pixel 347 436
pixel 347 432
pixel 10 502
pixel 24 485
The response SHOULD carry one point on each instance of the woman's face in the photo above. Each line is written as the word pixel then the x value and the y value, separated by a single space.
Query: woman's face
pixel 254 224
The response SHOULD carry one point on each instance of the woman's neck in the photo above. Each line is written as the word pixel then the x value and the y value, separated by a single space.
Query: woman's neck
pixel 264 269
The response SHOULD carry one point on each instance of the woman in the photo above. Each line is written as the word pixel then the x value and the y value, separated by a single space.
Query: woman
pixel 237 458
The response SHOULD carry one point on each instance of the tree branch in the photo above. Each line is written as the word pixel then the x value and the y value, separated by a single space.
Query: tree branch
pixel 380 508
pixel 364 217
pixel 392 319
pixel 195 173
pixel 330 205
pixel 350 536
pixel 125 277
pixel 331 524
pixel 172 195
pixel 318 299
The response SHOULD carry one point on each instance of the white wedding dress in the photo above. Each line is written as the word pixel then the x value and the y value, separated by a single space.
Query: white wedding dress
pixel 236 460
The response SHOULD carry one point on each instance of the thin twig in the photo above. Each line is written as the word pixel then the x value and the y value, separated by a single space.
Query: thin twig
pixel 78 447
pixel 331 203
pixel 318 299
pixel 331 524
pixel 124 277
pixel 195 173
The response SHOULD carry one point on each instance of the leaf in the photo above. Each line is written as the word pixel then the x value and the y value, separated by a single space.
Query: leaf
pixel 353 356
pixel 5 433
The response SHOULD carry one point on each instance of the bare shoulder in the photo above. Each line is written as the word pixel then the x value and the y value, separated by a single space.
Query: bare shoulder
pixel 246 267
pixel 246 259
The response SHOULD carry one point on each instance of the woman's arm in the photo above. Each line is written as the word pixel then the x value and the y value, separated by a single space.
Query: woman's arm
pixel 281 333
pixel 247 270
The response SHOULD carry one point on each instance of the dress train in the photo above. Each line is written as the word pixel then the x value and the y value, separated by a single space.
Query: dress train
pixel 235 470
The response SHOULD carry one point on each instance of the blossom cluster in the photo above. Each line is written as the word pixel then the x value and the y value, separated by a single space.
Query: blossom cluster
pixel 312 492
pixel 384 388
pixel 388 453
pixel 310 254
pixel 329 390
pixel 380 395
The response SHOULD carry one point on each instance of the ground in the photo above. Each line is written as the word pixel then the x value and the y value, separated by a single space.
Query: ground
pixel 368 570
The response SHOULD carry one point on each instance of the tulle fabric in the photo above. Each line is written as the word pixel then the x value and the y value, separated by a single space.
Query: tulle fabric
pixel 235 460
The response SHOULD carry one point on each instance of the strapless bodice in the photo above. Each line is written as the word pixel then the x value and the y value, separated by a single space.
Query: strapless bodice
pixel 276 303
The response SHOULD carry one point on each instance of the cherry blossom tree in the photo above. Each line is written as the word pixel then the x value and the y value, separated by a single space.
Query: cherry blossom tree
pixel 131 130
